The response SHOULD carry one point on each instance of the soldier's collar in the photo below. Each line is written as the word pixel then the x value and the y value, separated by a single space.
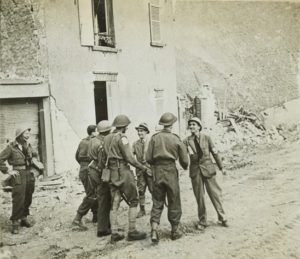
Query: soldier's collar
pixel 166 130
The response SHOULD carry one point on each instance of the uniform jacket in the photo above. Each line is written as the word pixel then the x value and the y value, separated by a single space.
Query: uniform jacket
pixel 81 154
pixel 116 146
pixel 15 156
pixel 205 163
pixel 166 145
pixel 95 151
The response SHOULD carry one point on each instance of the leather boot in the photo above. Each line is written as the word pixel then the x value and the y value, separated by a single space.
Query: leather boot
pixel 115 236
pixel 142 212
pixel 15 227
pixel 77 221
pixel 25 223
pixel 175 232
pixel 134 234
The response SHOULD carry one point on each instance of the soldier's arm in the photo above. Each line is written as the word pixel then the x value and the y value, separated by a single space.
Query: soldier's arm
pixel 183 155
pixel 101 158
pixel 4 155
pixel 127 155
pixel 77 155
pixel 149 157
pixel 214 152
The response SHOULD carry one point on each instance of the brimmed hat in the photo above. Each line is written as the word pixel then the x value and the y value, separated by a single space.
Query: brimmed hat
pixel 21 130
pixel 143 126
pixel 197 120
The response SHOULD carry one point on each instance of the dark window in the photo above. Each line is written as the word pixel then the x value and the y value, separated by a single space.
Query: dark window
pixel 100 101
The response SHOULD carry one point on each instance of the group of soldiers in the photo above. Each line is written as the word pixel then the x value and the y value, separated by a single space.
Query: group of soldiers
pixel 105 157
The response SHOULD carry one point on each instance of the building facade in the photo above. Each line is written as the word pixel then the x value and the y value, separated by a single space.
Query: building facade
pixel 67 64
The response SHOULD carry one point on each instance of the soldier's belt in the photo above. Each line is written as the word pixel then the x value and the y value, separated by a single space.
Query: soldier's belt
pixel 164 162
pixel 19 167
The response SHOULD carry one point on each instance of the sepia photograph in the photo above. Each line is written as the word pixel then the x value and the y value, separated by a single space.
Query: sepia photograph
pixel 142 129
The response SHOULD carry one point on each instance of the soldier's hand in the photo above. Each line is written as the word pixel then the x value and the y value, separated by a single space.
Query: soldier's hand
pixel 224 172
pixel 13 173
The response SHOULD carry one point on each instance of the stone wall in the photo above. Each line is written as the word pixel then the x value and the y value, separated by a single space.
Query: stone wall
pixel 22 51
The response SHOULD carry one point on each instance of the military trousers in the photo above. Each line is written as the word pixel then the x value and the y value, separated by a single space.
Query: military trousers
pixel 23 188
pixel 122 183
pixel 104 205
pixel 200 183
pixel 143 181
pixel 90 180
pixel 166 184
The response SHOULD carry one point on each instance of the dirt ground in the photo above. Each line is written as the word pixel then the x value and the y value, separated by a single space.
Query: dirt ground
pixel 261 199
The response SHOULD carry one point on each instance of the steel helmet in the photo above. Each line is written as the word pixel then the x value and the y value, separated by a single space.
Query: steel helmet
pixel 197 120
pixel 121 121
pixel 21 130
pixel 167 119
pixel 104 126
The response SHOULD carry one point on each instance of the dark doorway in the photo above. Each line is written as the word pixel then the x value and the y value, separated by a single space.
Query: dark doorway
pixel 100 101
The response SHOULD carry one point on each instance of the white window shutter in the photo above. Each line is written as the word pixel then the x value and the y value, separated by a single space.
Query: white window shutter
pixel 86 22
pixel 154 13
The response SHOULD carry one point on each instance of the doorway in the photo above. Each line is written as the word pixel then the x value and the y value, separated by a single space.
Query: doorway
pixel 100 100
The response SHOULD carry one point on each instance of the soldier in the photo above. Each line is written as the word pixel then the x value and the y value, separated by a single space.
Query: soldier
pixel 164 149
pixel 101 188
pixel 122 182
pixel 203 172
pixel 19 155
pixel 144 180
pixel 89 201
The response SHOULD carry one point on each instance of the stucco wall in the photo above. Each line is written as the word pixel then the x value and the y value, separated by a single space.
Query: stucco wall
pixel 246 50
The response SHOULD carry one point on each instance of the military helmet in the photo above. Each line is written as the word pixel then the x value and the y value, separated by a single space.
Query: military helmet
pixel 104 126
pixel 143 126
pixel 21 130
pixel 121 121
pixel 167 119
pixel 197 120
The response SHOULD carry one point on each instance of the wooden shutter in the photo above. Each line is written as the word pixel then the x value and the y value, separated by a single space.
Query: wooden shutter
pixel 154 13
pixel 85 11
pixel 15 112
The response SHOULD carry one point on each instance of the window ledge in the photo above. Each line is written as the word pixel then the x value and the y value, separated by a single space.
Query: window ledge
pixel 105 49
pixel 158 44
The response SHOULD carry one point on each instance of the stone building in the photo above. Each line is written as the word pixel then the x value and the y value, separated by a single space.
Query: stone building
pixel 67 64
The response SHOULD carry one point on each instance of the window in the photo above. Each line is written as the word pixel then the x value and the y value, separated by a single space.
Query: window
pixel 103 23
pixel 96 23
pixel 154 17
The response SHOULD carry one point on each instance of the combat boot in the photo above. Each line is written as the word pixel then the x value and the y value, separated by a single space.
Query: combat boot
pixel 133 234
pixel 142 212
pixel 176 233
pixel 115 237
pixel 77 221
pixel 154 236
pixel 25 223
pixel 15 227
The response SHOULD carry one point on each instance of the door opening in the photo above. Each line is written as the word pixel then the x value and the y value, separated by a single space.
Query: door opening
pixel 100 100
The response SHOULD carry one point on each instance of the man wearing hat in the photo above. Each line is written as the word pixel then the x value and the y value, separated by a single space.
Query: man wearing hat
pixel 122 184
pixel 19 155
pixel 203 172
pixel 98 187
pixel 164 149
pixel 144 179
pixel 83 159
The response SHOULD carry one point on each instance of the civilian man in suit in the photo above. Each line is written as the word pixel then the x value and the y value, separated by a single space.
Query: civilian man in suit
pixel 203 172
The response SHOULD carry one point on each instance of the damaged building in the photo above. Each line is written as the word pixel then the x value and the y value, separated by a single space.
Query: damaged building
pixel 67 64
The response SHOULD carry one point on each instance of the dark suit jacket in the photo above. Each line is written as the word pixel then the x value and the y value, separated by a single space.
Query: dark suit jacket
pixel 204 164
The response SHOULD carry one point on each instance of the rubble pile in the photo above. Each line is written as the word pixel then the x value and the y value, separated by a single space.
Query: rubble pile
pixel 241 130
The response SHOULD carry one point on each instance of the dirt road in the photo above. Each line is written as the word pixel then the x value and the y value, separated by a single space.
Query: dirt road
pixel 261 200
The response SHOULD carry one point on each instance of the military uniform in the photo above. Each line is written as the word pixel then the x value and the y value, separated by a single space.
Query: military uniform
pixel 163 150
pixel 89 201
pixel 19 157
pixel 144 180
pixel 122 182
pixel 102 189
pixel 203 173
